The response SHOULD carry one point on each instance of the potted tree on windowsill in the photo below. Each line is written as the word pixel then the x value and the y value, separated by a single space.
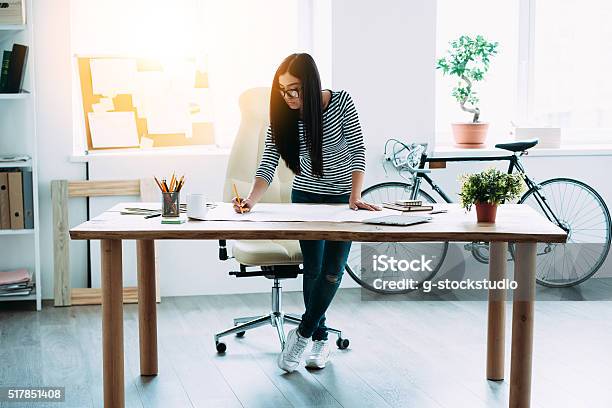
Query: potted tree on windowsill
pixel 468 59
pixel 487 189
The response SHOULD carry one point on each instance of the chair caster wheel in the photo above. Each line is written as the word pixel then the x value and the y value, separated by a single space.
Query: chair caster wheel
pixel 221 347
pixel 240 334
pixel 342 343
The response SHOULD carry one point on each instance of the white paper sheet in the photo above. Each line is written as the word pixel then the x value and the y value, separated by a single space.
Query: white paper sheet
pixel 112 76
pixel 105 105
pixel 146 142
pixel 296 212
pixel 168 115
pixel 162 102
pixel 113 129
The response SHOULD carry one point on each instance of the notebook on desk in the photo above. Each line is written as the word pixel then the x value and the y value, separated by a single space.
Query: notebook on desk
pixel 403 220
pixel 408 208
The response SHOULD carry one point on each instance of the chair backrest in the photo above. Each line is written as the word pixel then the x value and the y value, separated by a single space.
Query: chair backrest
pixel 248 148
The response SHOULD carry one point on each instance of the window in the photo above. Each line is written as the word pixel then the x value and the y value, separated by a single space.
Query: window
pixel 571 64
pixel 496 21
pixel 551 69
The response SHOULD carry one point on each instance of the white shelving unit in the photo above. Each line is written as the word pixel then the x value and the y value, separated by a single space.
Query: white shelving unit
pixel 21 248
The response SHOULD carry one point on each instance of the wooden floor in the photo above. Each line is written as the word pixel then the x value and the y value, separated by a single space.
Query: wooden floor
pixel 402 354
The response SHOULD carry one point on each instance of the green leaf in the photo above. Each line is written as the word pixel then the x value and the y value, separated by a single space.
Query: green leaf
pixel 469 57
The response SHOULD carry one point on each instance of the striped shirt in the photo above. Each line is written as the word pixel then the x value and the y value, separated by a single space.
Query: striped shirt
pixel 343 150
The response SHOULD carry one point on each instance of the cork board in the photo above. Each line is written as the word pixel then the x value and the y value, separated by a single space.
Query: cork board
pixel 172 106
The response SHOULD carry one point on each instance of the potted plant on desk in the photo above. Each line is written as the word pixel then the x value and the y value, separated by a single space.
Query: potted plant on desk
pixel 487 189
pixel 468 59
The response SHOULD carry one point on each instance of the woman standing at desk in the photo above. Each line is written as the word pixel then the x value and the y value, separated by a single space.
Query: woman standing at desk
pixel 318 135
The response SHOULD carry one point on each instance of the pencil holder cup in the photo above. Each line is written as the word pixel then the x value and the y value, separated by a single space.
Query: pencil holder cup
pixel 170 204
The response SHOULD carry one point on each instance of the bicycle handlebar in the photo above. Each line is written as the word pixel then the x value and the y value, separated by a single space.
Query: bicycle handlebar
pixel 414 152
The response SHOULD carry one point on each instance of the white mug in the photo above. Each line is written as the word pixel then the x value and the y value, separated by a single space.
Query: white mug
pixel 196 206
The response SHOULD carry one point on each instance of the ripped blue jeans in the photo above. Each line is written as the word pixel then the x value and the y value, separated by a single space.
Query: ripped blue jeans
pixel 324 263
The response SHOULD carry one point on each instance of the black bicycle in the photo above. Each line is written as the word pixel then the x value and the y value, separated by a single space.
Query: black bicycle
pixel 571 204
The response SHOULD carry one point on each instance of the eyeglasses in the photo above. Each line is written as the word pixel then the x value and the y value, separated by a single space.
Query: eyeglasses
pixel 291 93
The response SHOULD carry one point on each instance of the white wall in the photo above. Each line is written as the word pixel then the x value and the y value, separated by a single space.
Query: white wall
pixel 383 54
pixel 54 128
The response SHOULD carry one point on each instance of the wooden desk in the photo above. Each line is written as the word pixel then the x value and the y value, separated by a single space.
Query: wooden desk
pixel 515 223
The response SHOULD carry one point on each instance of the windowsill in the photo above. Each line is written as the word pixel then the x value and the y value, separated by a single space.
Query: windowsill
pixel 166 151
pixel 491 150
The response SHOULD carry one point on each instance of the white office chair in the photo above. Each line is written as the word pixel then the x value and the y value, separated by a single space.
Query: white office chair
pixel 276 259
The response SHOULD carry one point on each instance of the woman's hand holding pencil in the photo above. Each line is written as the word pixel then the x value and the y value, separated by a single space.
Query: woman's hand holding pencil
pixel 241 205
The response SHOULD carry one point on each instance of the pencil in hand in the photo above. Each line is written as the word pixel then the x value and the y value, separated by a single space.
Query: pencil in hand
pixel 238 198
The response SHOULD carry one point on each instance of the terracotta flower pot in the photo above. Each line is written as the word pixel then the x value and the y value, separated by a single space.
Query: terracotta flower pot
pixel 470 135
pixel 486 212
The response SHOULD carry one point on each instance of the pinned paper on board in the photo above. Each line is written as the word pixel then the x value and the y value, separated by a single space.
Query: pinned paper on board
pixel 112 76
pixel 146 142
pixel 105 105
pixel 113 129
pixel 169 101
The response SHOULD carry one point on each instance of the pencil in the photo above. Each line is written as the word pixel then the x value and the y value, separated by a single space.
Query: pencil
pixel 158 183
pixel 172 180
pixel 238 197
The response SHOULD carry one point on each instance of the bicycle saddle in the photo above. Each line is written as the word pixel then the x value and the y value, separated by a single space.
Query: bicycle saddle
pixel 518 146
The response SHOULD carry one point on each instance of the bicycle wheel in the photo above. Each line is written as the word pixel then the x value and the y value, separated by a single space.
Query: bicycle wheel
pixel 391 191
pixel 584 215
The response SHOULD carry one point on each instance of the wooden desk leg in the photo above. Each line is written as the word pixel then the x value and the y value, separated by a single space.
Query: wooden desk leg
pixel 522 325
pixel 147 307
pixel 498 252
pixel 112 323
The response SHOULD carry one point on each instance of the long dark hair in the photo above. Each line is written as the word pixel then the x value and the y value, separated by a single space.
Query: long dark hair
pixel 284 120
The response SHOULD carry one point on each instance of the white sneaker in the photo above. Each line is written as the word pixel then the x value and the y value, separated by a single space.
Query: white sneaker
pixel 289 358
pixel 319 355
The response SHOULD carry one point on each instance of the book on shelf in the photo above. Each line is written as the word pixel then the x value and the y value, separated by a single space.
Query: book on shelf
pixel 14 286
pixel 28 198
pixel 5 211
pixel 16 199
pixel 13 158
pixel 6 56
pixel 20 275
pixel 17 290
pixel 15 70
pixel 20 293
pixel 16 282
pixel 15 185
